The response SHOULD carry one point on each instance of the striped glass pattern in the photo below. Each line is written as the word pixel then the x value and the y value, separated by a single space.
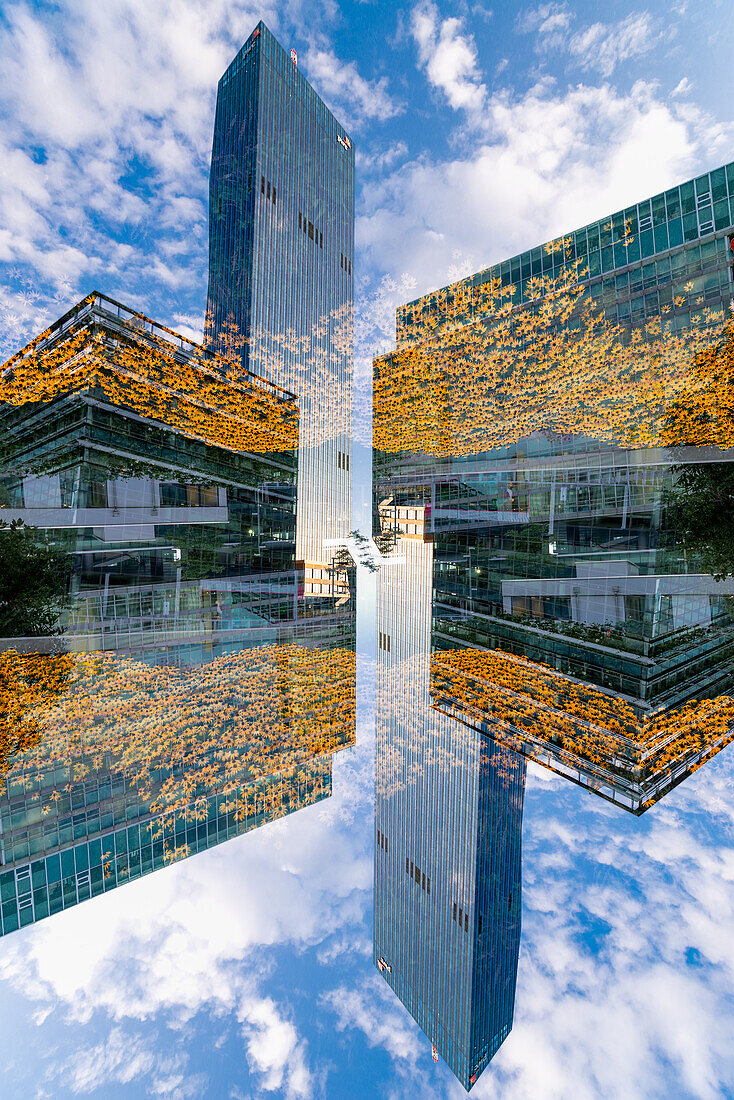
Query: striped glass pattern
pixel 448 827
pixel 280 267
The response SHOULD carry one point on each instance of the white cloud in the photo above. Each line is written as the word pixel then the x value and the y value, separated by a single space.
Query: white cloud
pixel 352 98
pixel 603 46
pixel 376 1011
pixel 190 325
pixel 274 1049
pixel 549 21
pixel 122 1058
pixel 545 163
pixel 380 159
pixel 600 46
pixel 683 87
pixel 449 58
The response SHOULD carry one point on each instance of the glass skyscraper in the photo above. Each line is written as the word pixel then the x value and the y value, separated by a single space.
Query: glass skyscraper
pixel 448 839
pixel 559 426
pixel 281 241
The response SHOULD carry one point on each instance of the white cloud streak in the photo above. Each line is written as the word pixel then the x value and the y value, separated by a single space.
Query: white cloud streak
pixel 604 46
pixel 350 96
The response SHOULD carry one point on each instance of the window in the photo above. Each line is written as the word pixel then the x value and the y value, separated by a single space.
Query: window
pixel 267 189
pixel 417 875
pixel 463 918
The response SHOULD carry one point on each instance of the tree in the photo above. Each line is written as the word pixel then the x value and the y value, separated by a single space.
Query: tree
pixel 33 582
pixel 703 507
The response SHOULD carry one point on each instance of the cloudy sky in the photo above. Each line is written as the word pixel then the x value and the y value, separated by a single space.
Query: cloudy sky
pixel 480 131
pixel 245 971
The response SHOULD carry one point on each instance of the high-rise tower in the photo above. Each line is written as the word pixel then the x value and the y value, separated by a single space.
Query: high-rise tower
pixel 281 245
pixel 448 839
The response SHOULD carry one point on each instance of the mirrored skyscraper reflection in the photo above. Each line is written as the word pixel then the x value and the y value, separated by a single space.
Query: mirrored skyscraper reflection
pixel 559 427
pixel 177 658
pixel 167 681
pixel 553 443
pixel 448 838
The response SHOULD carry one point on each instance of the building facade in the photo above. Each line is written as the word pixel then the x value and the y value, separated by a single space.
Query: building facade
pixel 170 490
pixel 189 690
pixel 448 839
pixel 281 249
pixel 127 766
pixel 558 427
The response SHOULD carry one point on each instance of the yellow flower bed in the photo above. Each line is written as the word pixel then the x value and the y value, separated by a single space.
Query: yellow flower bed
pixel 189 396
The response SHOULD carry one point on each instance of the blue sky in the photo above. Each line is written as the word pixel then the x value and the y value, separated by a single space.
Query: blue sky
pixel 245 972
pixel 479 131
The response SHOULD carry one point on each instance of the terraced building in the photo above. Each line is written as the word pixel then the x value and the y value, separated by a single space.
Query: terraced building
pixel 559 428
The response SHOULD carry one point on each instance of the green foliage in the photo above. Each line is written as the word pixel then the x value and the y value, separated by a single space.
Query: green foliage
pixel 702 500
pixel 33 582
pixel 202 549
